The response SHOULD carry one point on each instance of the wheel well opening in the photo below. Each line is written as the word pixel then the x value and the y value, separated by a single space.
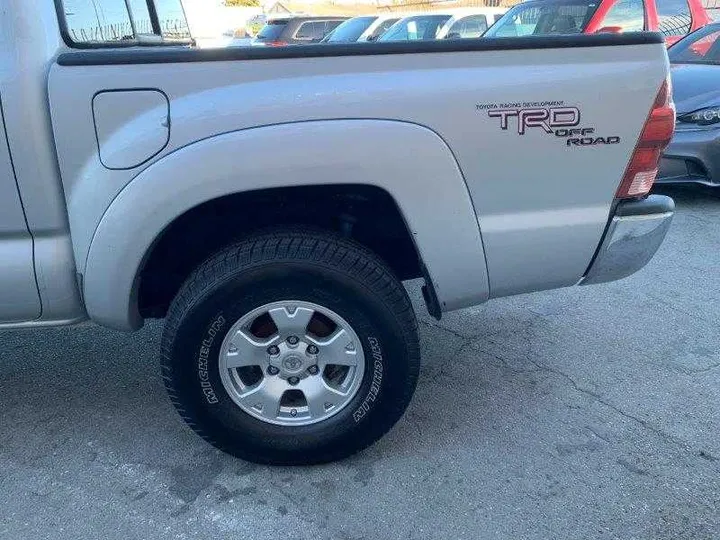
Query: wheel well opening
pixel 366 214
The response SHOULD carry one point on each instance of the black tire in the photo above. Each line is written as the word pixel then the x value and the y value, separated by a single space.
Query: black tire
pixel 317 267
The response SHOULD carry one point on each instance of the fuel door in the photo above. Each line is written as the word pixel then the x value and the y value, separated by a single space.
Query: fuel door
pixel 132 126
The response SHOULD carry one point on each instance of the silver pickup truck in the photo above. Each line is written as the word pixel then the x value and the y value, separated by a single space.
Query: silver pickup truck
pixel 269 202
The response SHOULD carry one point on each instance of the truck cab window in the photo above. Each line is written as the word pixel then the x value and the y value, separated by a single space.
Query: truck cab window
pixel 173 24
pixel 141 16
pixel 98 20
pixel 94 23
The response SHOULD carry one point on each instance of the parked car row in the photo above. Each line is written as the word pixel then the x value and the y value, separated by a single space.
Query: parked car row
pixel 451 24
pixel 457 24
pixel 673 18
pixel 365 28
pixel 296 30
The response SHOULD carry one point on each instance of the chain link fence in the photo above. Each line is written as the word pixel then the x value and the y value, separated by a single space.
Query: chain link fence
pixel 713 8
pixel 675 25
pixel 171 29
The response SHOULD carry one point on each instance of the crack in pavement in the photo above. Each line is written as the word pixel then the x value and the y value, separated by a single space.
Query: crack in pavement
pixel 431 324
pixel 672 368
pixel 466 341
pixel 594 432
pixel 600 399
pixel 688 371
pixel 662 434
pixel 504 362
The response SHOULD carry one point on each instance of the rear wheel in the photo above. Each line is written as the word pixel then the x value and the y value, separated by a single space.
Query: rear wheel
pixel 291 348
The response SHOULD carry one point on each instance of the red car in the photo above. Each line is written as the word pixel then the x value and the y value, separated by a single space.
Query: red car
pixel 673 18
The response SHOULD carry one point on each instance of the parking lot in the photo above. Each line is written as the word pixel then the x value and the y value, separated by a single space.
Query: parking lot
pixel 590 412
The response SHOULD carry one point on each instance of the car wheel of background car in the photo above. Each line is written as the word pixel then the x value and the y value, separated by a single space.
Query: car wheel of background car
pixel 291 348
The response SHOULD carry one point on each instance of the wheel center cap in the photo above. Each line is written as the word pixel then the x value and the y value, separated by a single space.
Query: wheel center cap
pixel 292 363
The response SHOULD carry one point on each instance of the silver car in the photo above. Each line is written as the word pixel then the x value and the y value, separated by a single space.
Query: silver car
pixel 693 156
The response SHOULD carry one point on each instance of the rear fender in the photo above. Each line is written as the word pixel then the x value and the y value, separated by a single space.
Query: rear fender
pixel 410 162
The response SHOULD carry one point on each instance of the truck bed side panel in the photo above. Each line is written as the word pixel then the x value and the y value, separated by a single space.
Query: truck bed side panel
pixel 542 205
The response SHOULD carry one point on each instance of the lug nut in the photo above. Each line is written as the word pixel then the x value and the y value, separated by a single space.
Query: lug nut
pixel 272 370
pixel 293 340
pixel 293 381
pixel 273 350
pixel 312 349
pixel 313 370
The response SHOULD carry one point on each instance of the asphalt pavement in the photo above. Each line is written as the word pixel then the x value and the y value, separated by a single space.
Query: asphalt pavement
pixel 589 412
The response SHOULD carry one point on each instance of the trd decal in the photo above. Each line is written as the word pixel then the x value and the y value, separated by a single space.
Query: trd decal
pixel 547 119
pixel 561 121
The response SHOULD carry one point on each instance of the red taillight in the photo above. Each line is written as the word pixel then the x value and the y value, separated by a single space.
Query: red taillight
pixel 277 43
pixel 655 136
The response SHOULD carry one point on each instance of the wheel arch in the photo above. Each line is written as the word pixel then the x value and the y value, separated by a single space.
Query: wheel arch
pixel 410 163
pixel 365 213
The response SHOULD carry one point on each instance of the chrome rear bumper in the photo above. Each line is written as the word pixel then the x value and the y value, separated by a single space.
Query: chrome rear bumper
pixel 634 234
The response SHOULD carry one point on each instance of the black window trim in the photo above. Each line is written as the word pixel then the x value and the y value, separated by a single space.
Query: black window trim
pixel 154 21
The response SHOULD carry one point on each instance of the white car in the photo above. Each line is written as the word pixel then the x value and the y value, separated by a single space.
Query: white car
pixel 470 23
pixel 363 28
pixel 419 27
pixel 456 23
